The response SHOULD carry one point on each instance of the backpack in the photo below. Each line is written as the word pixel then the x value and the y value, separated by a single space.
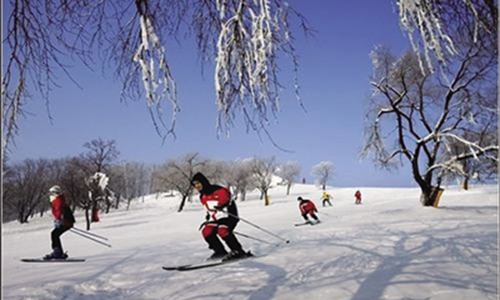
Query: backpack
pixel 68 214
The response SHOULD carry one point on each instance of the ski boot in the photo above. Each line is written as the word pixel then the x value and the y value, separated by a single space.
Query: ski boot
pixel 56 254
pixel 237 255
pixel 218 255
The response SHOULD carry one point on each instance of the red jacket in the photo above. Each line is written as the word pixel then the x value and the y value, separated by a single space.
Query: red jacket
pixel 58 206
pixel 220 198
pixel 358 195
pixel 307 206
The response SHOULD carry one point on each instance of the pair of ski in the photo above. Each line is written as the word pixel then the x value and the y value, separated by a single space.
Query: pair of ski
pixel 308 223
pixel 52 260
pixel 206 264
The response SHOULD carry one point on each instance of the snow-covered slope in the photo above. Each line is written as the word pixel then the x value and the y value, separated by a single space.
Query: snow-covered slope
pixel 390 247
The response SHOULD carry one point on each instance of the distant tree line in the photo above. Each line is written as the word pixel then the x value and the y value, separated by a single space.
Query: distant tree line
pixel 26 183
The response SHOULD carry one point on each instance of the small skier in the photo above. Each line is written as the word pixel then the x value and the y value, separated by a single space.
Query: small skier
pixel 326 198
pixel 63 221
pixel 307 207
pixel 215 198
pixel 357 195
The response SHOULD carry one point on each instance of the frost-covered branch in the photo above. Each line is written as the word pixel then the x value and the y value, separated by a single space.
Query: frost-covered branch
pixel 156 76
pixel 252 35
pixel 432 26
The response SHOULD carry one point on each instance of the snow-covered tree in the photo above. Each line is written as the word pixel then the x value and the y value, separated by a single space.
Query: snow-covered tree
pixel 72 181
pixel 99 156
pixel 244 39
pixel 25 188
pixel 177 174
pixel 422 117
pixel 323 173
pixel 263 170
pixel 241 178
pixel 289 172
pixel 218 171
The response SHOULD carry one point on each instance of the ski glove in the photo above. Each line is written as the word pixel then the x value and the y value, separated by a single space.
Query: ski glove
pixel 57 223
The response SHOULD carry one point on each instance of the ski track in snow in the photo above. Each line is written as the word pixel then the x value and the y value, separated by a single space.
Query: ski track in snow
pixel 390 247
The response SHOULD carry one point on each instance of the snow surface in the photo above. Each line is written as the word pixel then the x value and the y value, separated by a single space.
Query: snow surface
pixel 390 247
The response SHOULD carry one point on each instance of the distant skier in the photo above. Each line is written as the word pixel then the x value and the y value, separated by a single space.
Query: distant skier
pixel 357 195
pixel 307 207
pixel 215 198
pixel 326 198
pixel 63 221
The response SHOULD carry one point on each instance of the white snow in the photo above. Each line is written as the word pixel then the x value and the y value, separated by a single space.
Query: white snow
pixel 390 247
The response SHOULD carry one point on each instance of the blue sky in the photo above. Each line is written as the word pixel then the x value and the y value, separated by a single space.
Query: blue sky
pixel 334 83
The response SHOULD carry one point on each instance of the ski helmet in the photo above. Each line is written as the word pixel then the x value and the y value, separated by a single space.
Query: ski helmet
pixel 55 190
pixel 299 198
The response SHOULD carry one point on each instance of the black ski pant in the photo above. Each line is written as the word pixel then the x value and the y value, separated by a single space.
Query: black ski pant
pixel 230 239
pixel 56 234
pixel 313 215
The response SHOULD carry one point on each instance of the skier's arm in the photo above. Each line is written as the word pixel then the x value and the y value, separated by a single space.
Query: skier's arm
pixel 57 209
pixel 224 199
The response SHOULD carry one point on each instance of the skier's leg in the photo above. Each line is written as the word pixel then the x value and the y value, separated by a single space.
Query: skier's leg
pixel 305 217
pixel 57 250
pixel 209 233
pixel 55 238
pixel 225 230
pixel 313 215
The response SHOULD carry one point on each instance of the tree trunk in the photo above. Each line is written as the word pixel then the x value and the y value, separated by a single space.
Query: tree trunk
pixel 87 217
pixel 324 187
pixel 431 196
pixel 267 201
pixel 183 201
pixel 117 201
pixel 22 219
pixel 465 183
pixel 288 189
pixel 108 204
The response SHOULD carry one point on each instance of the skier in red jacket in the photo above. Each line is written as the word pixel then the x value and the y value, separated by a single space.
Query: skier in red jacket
pixel 63 221
pixel 307 207
pixel 357 195
pixel 215 199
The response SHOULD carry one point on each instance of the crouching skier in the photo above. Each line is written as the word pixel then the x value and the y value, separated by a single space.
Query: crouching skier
pixel 215 198
pixel 307 207
pixel 63 221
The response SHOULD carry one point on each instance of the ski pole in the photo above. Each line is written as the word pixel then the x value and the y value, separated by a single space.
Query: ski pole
pixel 258 227
pixel 323 213
pixel 91 238
pixel 253 238
pixel 90 233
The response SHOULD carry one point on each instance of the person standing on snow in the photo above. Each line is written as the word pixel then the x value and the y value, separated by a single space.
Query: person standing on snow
pixel 326 198
pixel 357 195
pixel 63 221
pixel 214 199
pixel 307 207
